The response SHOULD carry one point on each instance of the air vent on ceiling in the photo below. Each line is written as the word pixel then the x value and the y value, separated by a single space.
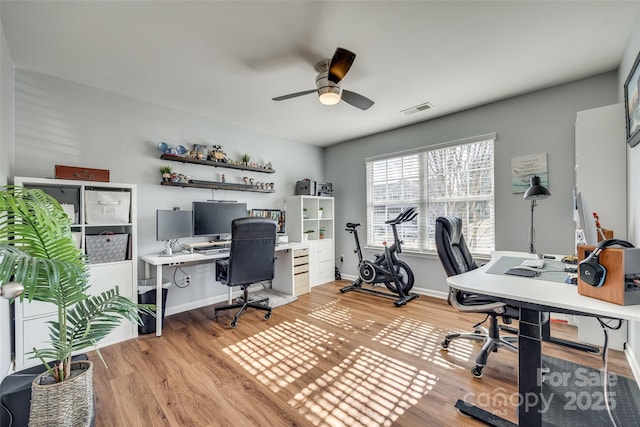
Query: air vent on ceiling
pixel 421 107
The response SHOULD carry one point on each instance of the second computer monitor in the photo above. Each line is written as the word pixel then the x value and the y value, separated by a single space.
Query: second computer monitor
pixel 213 219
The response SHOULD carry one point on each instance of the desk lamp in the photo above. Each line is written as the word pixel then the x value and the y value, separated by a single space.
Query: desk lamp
pixel 535 192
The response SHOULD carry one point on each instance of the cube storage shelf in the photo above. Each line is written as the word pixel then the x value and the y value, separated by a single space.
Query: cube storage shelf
pixel 30 318
pixel 315 214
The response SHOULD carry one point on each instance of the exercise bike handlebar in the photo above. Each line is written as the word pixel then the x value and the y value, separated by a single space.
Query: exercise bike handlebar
pixel 404 216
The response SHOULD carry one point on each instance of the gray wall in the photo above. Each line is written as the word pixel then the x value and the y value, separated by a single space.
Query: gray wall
pixel 60 122
pixel 538 122
pixel 6 164
pixel 633 185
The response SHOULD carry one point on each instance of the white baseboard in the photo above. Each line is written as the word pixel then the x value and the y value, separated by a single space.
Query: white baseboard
pixel 430 293
pixel 417 290
pixel 633 363
pixel 192 305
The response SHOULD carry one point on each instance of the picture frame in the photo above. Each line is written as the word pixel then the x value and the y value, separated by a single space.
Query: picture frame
pixel 632 104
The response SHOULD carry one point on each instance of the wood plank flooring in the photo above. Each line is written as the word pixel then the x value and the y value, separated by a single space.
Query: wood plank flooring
pixel 329 359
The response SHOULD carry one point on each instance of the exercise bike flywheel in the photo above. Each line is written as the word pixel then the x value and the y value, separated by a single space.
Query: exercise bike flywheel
pixel 367 271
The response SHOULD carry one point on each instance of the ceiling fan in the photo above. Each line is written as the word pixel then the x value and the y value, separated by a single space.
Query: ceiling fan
pixel 329 79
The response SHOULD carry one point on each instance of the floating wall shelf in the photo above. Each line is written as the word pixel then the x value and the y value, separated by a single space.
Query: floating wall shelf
pixel 174 158
pixel 218 186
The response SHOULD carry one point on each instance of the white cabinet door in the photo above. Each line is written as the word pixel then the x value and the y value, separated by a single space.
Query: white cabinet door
pixel 109 275
pixel 38 337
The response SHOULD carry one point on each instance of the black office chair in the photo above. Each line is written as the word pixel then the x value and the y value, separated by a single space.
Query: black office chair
pixel 251 259
pixel 456 259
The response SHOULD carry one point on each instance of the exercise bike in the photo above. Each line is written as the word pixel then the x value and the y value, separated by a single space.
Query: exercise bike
pixel 386 268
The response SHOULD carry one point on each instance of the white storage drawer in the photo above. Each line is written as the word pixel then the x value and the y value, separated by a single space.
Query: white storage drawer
pixel 301 260
pixel 301 284
pixel 304 268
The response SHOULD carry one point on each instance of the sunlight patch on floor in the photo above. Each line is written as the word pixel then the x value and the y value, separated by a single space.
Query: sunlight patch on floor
pixel 423 340
pixel 368 388
pixel 335 314
pixel 282 353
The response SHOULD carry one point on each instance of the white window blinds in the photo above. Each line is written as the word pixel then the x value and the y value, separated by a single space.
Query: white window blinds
pixel 452 179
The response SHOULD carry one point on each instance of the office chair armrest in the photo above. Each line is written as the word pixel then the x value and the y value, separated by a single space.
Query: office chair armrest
pixel 496 307
pixel 222 268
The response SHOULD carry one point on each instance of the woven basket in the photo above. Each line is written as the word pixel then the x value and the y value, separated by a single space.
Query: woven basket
pixel 65 404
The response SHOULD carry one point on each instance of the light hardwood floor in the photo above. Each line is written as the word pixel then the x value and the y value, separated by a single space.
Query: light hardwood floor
pixel 329 359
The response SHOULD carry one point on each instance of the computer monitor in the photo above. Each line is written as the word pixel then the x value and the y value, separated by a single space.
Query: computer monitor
pixel 586 221
pixel 173 224
pixel 213 219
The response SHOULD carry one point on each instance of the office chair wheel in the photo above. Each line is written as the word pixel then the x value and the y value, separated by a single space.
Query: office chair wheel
pixel 476 371
pixel 444 345
pixel 233 324
pixel 267 316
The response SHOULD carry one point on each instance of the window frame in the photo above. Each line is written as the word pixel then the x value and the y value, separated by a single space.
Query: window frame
pixel 423 243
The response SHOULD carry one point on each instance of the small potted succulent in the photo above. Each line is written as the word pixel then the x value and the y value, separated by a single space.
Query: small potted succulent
pixel 166 173
pixel 321 233
pixel 306 235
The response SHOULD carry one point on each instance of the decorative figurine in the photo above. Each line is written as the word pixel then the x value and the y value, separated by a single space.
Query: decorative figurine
pixel 222 178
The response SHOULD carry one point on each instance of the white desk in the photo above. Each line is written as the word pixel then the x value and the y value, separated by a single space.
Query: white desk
pixel 533 297
pixel 283 276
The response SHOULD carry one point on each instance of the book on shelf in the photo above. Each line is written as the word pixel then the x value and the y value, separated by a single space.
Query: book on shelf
pixel 275 214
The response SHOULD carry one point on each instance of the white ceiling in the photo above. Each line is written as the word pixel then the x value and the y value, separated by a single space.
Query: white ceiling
pixel 226 60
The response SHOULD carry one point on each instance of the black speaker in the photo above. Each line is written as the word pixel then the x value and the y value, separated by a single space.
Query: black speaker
pixel 590 269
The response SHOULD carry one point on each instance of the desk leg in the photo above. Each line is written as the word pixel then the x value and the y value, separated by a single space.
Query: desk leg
pixel 158 300
pixel 529 366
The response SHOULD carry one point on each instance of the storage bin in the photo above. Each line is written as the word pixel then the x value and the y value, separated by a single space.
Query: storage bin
pixel 107 247
pixel 107 207
pixel 147 295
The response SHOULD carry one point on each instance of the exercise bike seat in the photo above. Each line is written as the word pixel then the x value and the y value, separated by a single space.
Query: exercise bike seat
pixel 352 225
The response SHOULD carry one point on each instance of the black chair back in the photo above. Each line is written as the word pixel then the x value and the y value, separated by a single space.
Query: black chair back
pixel 252 255
pixel 452 249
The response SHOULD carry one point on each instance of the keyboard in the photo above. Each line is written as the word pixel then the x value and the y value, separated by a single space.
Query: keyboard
pixel 211 251
pixel 533 263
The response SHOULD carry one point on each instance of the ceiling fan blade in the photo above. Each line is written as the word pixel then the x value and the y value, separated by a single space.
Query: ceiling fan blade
pixel 357 100
pixel 293 95
pixel 340 64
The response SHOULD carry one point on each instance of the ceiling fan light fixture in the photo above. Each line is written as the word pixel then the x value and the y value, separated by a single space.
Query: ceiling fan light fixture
pixel 329 98
pixel 329 95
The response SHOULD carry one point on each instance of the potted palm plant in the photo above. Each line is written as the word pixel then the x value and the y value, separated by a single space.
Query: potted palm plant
pixel 38 251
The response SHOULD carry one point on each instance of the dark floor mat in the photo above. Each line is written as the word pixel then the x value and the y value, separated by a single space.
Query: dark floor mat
pixel 574 395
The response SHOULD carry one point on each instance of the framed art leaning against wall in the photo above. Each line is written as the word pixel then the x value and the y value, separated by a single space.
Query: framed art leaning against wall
pixel 632 104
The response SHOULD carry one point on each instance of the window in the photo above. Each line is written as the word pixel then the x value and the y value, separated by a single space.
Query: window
pixel 448 179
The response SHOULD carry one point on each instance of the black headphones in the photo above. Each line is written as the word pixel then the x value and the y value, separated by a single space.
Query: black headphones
pixel 590 269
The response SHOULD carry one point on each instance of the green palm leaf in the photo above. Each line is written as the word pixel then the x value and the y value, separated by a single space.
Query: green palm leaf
pixel 37 250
